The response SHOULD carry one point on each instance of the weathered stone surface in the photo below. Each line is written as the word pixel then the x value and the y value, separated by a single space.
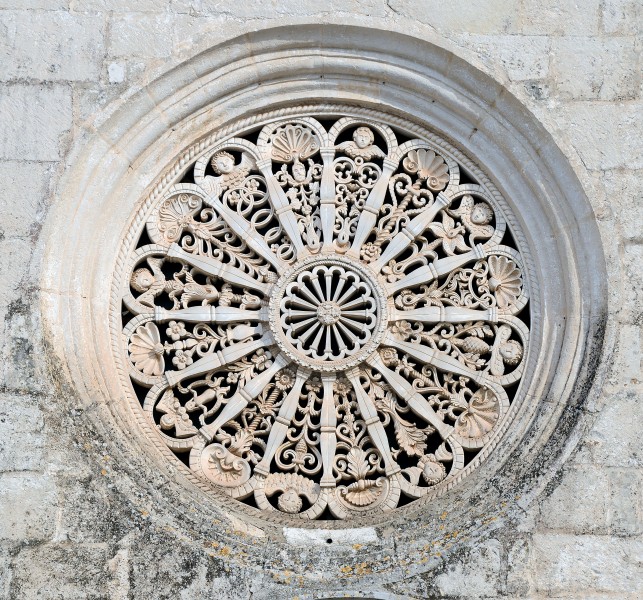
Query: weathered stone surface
pixel 70 572
pixel 23 197
pixel 605 136
pixel 22 438
pixel 69 47
pixel 622 17
pixel 522 57
pixel 585 69
pixel 141 35
pixel 624 191
pixel 633 291
pixel 482 16
pixel 625 501
pixel 28 507
pixel 476 575
pixel 614 440
pixel 568 510
pixel 560 17
pixel 35 117
pixel 566 564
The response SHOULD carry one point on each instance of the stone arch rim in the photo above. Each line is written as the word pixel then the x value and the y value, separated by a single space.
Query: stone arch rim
pixel 266 34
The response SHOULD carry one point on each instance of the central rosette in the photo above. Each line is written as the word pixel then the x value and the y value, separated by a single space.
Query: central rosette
pixel 327 312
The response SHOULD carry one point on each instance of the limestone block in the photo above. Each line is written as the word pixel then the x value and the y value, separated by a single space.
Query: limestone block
pixel 476 575
pixel 119 5
pixel 68 48
pixel 34 118
pixel 622 17
pixel 522 57
pixel 23 194
pixel 480 16
pixel 624 191
pixel 116 72
pixel 56 571
pixel 615 438
pixel 16 253
pixel 628 366
pixel 141 35
pixel 633 288
pixel 606 136
pixel 34 4
pixel 625 504
pixel 21 365
pixel 272 10
pixel 5 571
pixel 27 506
pixel 519 573
pixel 567 509
pixel 585 68
pixel 21 433
pixel 565 564
pixel 560 17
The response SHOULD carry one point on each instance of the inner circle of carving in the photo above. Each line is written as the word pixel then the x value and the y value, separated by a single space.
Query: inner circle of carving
pixel 325 316
pixel 328 313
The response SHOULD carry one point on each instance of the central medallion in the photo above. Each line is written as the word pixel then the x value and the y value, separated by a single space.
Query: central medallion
pixel 327 312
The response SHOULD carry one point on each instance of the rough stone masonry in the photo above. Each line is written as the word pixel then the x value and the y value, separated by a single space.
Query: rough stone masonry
pixel 70 528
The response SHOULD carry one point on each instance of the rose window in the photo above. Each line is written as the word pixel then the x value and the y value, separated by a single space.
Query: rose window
pixel 326 316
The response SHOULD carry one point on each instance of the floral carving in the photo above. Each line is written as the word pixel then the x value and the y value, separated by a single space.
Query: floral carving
pixel 323 321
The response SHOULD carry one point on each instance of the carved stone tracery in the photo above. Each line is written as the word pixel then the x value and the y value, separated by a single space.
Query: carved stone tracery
pixel 329 321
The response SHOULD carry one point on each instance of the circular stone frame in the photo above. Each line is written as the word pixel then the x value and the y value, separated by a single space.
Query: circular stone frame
pixel 112 169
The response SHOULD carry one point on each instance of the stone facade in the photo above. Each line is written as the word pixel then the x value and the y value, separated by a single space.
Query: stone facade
pixel 75 526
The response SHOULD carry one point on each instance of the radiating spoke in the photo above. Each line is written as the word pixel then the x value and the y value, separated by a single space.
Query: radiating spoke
pixel 245 395
pixel 372 421
pixel 215 268
pixel 436 358
pixel 305 323
pixel 327 199
pixel 338 290
pixel 304 291
pixel 244 231
pixel 210 314
pixel 415 227
pixel 317 287
pixel 282 207
pixel 351 336
pixel 432 271
pixel 338 338
pixel 371 210
pixel 446 314
pixel 348 294
pixel 311 331
pixel 328 437
pixel 302 303
pixel 282 421
pixel 218 359
pixel 413 398
pixel 356 302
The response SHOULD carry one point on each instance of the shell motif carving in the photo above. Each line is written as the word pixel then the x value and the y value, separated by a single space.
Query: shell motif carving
pixel 322 321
